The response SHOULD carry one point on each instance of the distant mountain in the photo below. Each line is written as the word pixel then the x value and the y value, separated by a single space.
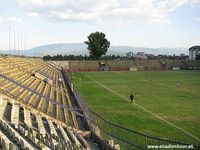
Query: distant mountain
pixel 81 49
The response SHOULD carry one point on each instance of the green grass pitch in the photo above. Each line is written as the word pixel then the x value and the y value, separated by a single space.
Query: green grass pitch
pixel 167 107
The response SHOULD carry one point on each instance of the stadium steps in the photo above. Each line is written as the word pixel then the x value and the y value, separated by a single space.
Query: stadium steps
pixel 5 142
pixel 27 117
pixel 46 125
pixel 3 104
pixel 41 127
pixel 32 98
pixel 64 134
pixel 46 94
pixel 7 113
pixel 65 110
pixel 20 65
pixel 72 136
pixel 34 121
pixel 15 114
pixel 6 85
pixel 52 129
pixel 15 136
pixel 9 71
pixel 21 115
pixel 15 90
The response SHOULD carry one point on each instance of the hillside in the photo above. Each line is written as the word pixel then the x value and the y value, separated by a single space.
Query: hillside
pixel 81 49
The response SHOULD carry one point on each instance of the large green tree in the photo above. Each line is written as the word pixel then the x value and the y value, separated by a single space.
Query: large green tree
pixel 97 44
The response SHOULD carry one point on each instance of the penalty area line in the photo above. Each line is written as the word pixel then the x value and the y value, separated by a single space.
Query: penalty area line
pixel 150 112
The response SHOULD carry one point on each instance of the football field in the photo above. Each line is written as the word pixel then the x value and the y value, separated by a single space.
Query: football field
pixel 166 103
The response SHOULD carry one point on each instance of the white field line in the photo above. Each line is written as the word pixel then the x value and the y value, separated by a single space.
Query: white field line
pixel 150 112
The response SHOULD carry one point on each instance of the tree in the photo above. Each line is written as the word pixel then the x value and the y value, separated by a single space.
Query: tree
pixel 48 57
pixel 97 44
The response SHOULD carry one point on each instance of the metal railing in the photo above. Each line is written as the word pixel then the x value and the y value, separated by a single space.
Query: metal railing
pixel 127 138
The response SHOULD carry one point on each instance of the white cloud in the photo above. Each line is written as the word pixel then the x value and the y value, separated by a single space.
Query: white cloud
pixel 33 14
pixel 105 11
pixel 10 20
pixel 197 19
pixel 195 2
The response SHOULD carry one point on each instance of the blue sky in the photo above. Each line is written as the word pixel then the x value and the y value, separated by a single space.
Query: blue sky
pixel 140 23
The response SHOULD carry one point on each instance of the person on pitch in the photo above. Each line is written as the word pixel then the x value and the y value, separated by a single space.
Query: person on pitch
pixel 131 98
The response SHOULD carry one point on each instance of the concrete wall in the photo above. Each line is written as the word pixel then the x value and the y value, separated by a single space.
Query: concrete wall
pixel 125 65
pixel 83 66
pixel 120 65
pixel 64 64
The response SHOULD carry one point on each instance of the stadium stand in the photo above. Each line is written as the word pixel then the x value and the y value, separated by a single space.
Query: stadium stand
pixel 125 65
pixel 148 64
pixel 112 65
pixel 83 66
pixel 34 91
pixel 119 65
pixel 192 64
pixel 174 63
pixel 32 130
pixel 76 65
pixel 36 109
